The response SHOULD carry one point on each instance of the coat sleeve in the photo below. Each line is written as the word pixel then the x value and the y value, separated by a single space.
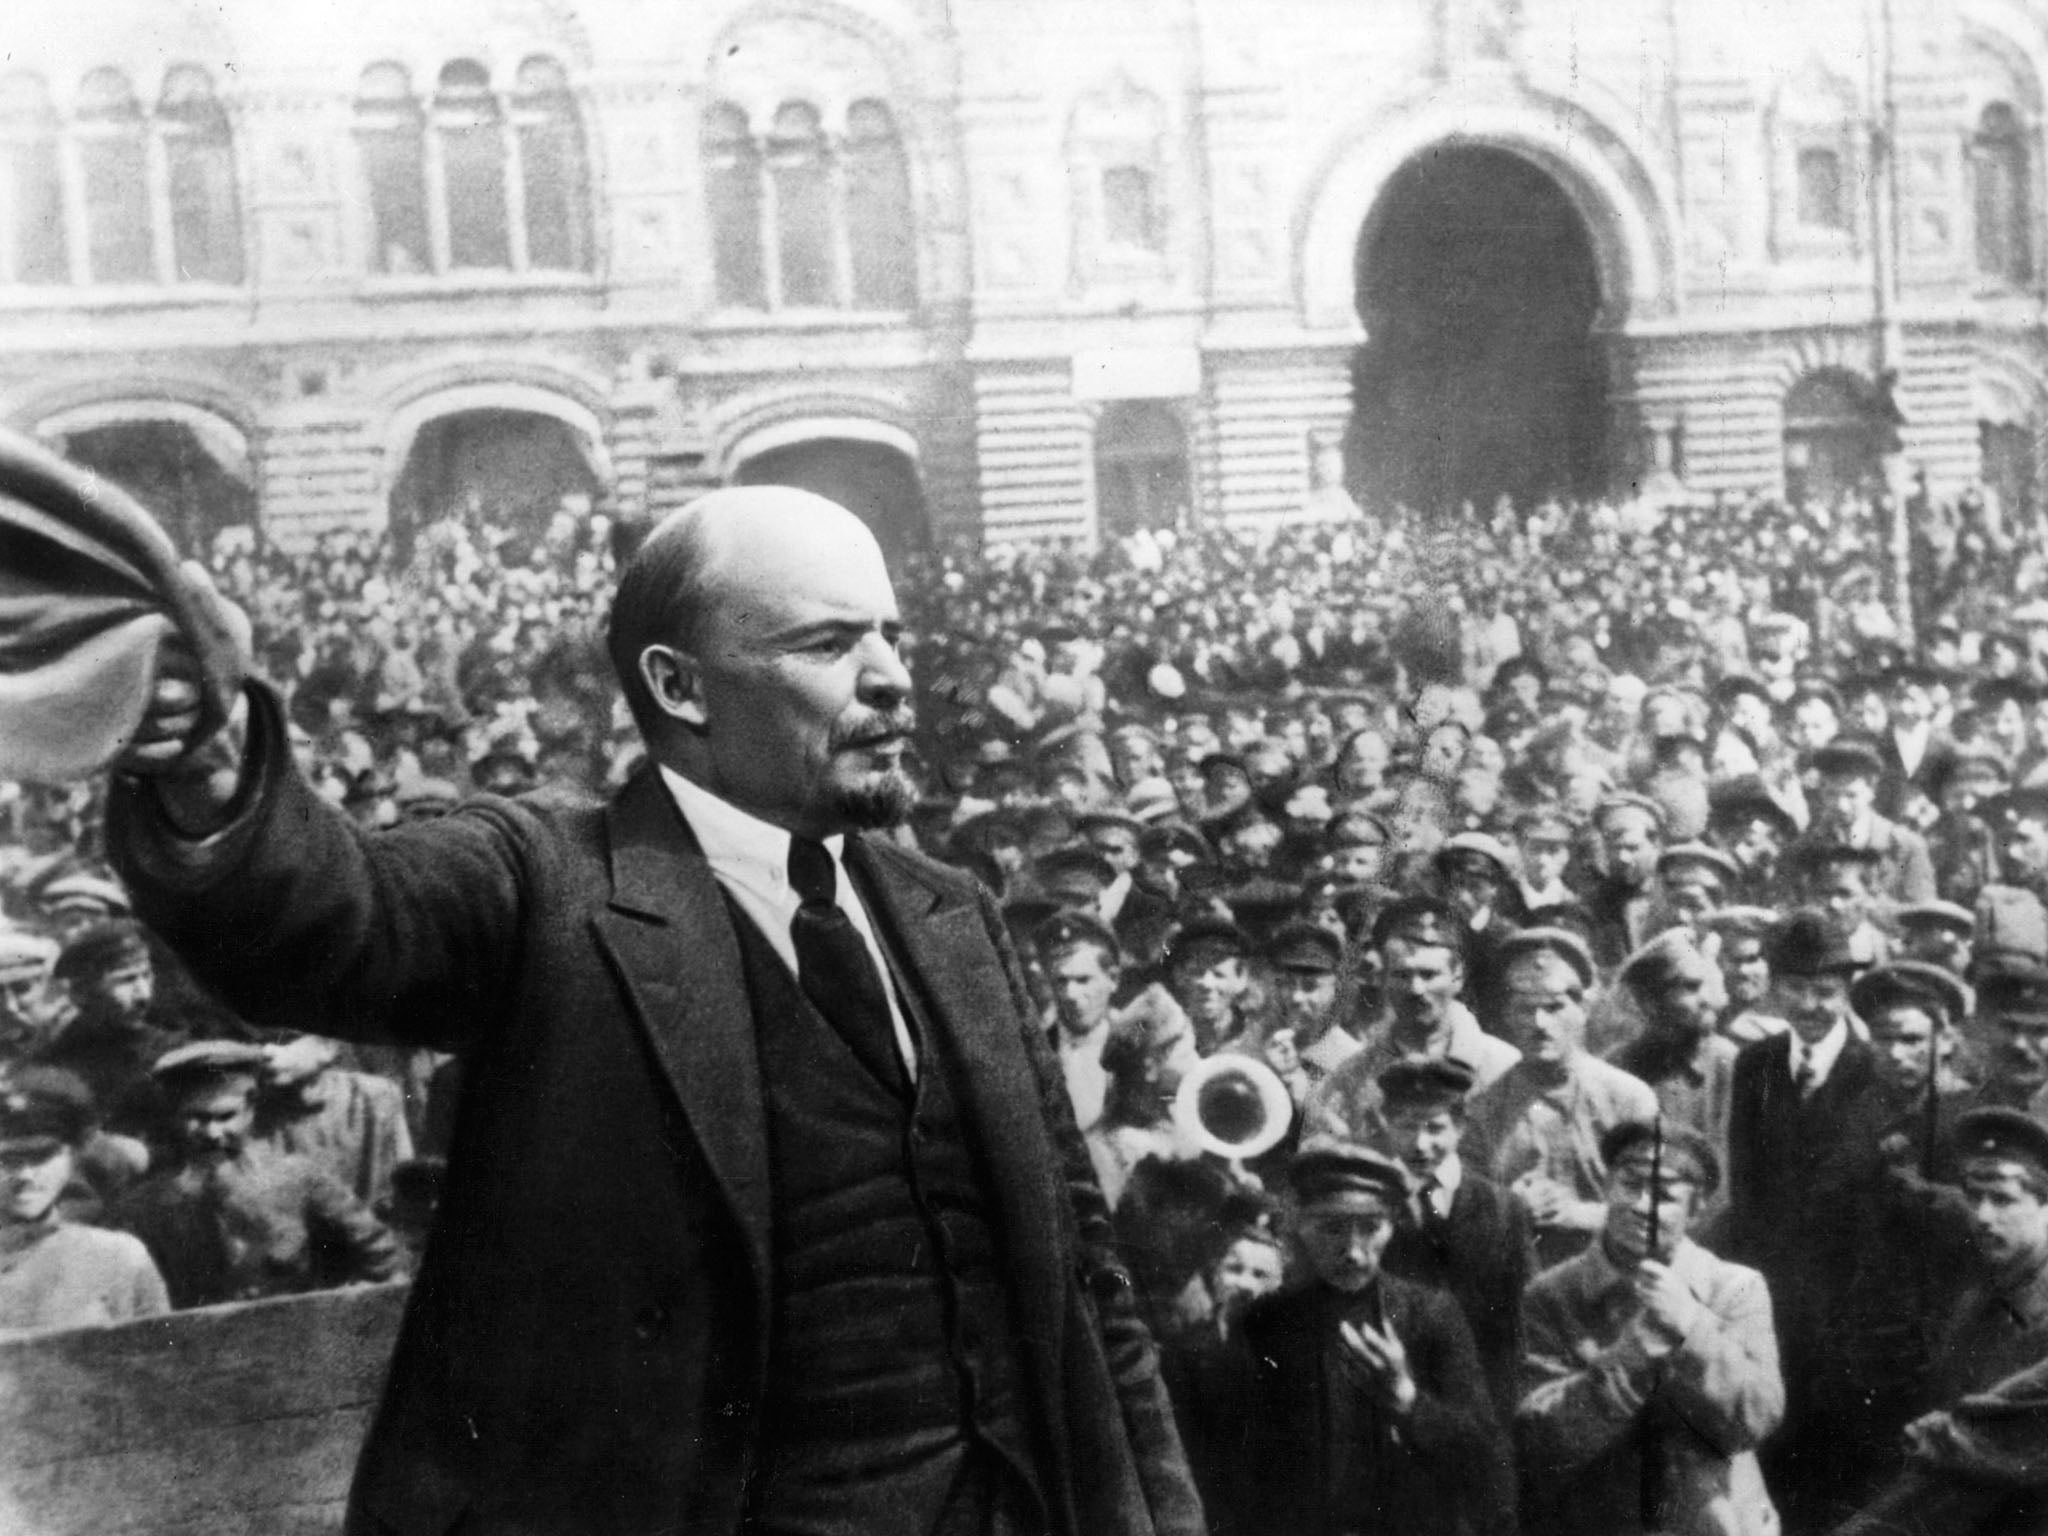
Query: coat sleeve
pixel 1155 1445
pixel 1576 1404
pixel 1452 1423
pixel 347 1233
pixel 299 919
pixel 1723 1378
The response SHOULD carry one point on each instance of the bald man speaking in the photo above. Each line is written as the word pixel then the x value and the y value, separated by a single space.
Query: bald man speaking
pixel 766 1212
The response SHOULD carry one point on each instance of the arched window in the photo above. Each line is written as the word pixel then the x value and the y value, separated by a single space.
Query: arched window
pixel 732 188
pixel 32 248
pixel 472 144
pixel 1130 214
pixel 390 137
pixel 113 159
pixel 803 206
pixel 199 165
pixel 1141 468
pixel 878 218
pixel 2000 173
pixel 477 182
pixel 552 168
pixel 804 219
pixel 1823 198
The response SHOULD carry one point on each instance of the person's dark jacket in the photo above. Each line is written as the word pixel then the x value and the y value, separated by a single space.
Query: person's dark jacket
pixel 586 1345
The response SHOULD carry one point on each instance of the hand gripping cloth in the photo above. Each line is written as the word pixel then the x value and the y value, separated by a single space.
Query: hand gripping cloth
pixel 89 588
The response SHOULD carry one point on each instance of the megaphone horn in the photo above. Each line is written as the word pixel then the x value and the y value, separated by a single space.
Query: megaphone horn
pixel 1233 1106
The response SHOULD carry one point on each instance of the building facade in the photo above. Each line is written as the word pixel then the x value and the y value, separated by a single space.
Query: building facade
pixel 1017 268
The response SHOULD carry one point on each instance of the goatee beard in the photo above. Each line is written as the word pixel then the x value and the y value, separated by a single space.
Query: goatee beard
pixel 884 800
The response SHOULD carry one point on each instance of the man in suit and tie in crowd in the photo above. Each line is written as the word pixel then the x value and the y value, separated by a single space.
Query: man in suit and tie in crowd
pixel 1807 1108
pixel 765 1208
pixel 1460 1231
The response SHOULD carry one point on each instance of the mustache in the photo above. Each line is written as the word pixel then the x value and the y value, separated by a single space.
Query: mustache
pixel 872 729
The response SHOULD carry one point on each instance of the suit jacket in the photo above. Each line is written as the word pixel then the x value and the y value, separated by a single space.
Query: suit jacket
pixel 1483 1252
pixel 587 1341
pixel 1794 1168
pixel 1445 1470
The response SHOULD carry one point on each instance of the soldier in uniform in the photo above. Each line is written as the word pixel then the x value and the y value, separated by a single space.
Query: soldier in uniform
pixel 55 1273
pixel 1652 1370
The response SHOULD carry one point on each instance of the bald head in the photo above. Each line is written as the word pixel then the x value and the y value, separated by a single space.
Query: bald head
pixel 723 545
pixel 755 634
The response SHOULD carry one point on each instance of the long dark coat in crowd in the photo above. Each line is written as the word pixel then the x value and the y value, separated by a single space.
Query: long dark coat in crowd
pixel 587 1345
pixel 1326 1459
pixel 1484 1253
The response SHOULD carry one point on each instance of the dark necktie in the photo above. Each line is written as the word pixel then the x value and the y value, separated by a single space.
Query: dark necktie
pixel 834 966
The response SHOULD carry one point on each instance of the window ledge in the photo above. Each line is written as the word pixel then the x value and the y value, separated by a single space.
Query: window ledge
pixel 125 296
pixel 727 319
pixel 447 284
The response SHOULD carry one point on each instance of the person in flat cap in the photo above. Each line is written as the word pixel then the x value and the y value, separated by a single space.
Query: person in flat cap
pixel 1083 965
pixel 1207 974
pixel 1677 994
pixel 1543 1118
pixel 1942 933
pixel 1805 1103
pixel 1357 846
pixel 231 1218
pixel 27 960
pixel 1366 1408
pixel 1621 898
pixel 1847 773
pixel 1738 937
pixel 2012 1022
pixel 1544 839
pixel 1841 880
pixel 79 899
pixel 1419 942
pixel 1961 843
pixel 1305 1041
pixel 55 1272
pixel 116 1037
pixel 1074 876
pixel 1914 754
pixel 1906 1232
pixel 1637 1342
pixel 1459 1230
pixel 1999 1323
pixel 1475 874
pixel 1693 880
pixel 1747 819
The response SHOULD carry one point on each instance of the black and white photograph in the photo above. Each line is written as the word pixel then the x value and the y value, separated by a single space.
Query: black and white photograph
pixel 1024 768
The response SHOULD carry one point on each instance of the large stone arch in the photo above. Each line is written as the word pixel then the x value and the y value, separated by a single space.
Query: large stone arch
pixel 575 403
pixel 1624 201
pixel 747 428
pixel 862 451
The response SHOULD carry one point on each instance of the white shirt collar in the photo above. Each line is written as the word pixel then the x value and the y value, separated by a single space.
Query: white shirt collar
pixel 737 842
pixel 1823 1056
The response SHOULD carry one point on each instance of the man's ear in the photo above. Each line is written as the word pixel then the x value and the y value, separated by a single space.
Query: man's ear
pixel 674 683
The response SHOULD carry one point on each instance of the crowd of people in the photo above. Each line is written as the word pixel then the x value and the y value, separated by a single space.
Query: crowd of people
pixel 1557 998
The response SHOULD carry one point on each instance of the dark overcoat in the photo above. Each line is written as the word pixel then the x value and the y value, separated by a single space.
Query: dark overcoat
pixel 586 1345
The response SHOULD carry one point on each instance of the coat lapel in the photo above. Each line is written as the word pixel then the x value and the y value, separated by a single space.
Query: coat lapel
pixel 944 945
pixel 668 932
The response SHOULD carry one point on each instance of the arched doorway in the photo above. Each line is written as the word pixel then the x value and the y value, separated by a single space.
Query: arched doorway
pixel 875 482
pixel 516 470
pixel 1141 468
pixel 1480 377
pixel 192 486
pixel 1833 440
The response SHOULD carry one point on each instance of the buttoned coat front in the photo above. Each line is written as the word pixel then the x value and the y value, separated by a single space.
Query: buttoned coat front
pixel 587 1341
